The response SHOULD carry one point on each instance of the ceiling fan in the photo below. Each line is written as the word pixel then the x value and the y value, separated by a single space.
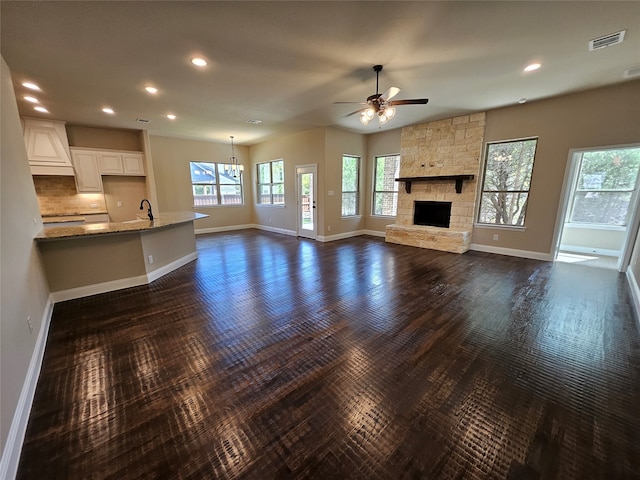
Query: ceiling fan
pixel 381 104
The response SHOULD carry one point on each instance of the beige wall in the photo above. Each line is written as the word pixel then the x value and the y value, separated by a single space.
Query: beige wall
pixel 338 143
pixel 111 138
pixel 129 191
pixel 23 289
pixel 167 245
pixel 383 143
pixel 170 159
pixel 301 148
pixel 585 237
pixel 595 118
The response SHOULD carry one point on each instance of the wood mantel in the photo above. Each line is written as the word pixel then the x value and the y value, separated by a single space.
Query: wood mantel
pixel 457 178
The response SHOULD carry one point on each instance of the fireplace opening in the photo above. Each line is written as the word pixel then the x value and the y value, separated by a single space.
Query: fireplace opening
pixel 432 214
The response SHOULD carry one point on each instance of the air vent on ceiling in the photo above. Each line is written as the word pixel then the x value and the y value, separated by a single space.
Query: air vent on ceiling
pixel 632 73
pixel 606 41
pixel 142 120
pixel 254 121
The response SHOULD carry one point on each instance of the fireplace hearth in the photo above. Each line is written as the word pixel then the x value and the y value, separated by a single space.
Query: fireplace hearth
pixel 432 214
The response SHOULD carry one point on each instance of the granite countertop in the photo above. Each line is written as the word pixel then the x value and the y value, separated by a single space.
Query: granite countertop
pixel 85 230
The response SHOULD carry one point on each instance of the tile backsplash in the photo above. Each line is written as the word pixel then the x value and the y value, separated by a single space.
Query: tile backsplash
pixel 57 195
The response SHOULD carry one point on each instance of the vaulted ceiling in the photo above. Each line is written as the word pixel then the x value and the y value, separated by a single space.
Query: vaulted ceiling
pixel 285 63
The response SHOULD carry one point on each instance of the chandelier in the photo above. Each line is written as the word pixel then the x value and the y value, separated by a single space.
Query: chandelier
pixel 232 167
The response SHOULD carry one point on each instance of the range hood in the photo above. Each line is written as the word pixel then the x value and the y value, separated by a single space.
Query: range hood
pixel 47 147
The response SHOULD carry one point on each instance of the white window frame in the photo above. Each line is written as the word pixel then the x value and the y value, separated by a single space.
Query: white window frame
pixel 356 191
pixel 216 185
pixel 374 191
pixel 482 189
pixel 270 184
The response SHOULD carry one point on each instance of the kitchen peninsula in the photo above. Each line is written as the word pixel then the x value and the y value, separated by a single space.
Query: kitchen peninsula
pixel 88 259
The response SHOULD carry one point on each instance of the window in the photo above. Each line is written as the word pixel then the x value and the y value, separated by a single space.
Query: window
pixel 605 186
pixel 215 184
pixel 385 188
pixel 271 183
pixel 350 185
pixel 506 183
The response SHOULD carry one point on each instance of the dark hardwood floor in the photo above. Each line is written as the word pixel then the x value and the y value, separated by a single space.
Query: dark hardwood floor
pixel 272 357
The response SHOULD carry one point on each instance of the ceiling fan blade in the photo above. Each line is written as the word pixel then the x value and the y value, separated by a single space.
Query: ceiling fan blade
pixel 354 103
pixel 414 101
pixel 390 93
pixel 353 113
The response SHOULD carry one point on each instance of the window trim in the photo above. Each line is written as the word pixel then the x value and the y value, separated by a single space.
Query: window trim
pixel 357 191
pixel 481 190
pixel 373 186
pixel 271 183
pixel 216 186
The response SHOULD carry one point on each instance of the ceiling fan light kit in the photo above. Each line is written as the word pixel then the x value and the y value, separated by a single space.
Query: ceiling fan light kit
pixel 381 104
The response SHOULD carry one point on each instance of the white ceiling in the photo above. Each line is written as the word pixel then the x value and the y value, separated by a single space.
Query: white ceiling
pixel 285 63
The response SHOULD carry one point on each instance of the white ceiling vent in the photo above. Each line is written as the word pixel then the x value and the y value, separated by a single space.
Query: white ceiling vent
pixel 632 73
pixel 142 120
pixel 606 41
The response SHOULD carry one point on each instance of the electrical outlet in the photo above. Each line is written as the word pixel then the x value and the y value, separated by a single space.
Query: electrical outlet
pixel 328 228
pixel 330 193
pixel 119 204
pixel 269 220
pixel 29 324
pixel 496 236
pixel 150 259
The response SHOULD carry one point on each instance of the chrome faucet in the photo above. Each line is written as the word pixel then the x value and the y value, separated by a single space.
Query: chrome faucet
pixel 149 212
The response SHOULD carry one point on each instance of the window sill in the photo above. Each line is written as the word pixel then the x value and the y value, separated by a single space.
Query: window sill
pixel 384 217
pixel 204 207
pixel 350 217
pixel 269 205
pixel 596 226
pixel 489 226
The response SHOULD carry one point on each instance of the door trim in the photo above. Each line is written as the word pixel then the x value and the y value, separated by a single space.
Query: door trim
pixel 309 168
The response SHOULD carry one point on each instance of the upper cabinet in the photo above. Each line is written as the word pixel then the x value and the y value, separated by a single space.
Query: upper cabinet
pixel 88 179
pixel 47 147
pixel 121 163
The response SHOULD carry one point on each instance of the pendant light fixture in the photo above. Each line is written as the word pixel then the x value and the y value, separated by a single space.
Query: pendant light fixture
pixel 233 166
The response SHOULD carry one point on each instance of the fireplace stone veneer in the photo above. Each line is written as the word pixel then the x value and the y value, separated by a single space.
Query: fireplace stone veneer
pixel 444 148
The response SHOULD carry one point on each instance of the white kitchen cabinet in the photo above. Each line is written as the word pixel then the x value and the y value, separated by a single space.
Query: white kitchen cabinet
pixel 121 163
pixel 88 179
pixel 47 147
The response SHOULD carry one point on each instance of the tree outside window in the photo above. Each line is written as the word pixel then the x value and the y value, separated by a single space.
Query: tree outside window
pixel 605 186
pixel 350 185
pixel 271 183
pixel 385 188
pixel 213 184
pixel 506 183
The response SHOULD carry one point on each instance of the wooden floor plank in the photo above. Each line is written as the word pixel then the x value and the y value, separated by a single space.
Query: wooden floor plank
pixel 277 357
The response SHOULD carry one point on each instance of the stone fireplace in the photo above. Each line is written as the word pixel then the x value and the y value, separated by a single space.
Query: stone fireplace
pixel 439 165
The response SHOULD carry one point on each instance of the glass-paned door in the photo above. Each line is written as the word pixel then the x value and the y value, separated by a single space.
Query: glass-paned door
pixel 307 212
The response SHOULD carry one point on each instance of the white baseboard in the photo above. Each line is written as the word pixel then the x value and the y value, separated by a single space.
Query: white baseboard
pixel 593 251
pixel 283 231
pixel 512 252
pixel 635 294
pixel 199 231
pixel 340 236
pixel 15 439
pixel 375 233
pixel 170 267
pixel 98 288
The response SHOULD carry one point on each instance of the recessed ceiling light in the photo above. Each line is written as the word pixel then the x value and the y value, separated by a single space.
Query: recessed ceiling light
pixel 31 86
pixel 31 99
pixel 199 62
pixel 171 116
pixel 522 100
pixel 152 90
pixel 108 110
pixel 41 109
pixel 254 121
pixel 531 67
